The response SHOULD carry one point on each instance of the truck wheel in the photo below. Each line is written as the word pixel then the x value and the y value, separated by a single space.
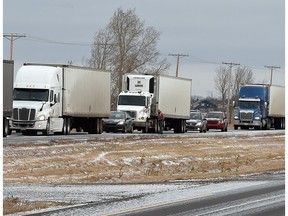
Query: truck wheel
pixel 5 127
pixel 99 128
pixel 66 126
pixel 146 127
pixel 47 130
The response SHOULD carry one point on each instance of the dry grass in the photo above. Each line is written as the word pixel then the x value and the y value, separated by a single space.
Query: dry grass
pixel 13 204
pixel 141 160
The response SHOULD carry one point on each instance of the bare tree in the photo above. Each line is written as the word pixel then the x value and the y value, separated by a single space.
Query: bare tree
pixel 242 76
pixel 221 80
pixel 125 46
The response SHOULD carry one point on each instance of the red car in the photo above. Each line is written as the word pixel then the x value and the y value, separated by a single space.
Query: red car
pixel 216 120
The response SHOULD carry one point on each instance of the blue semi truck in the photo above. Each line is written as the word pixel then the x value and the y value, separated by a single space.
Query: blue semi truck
pixel 260 107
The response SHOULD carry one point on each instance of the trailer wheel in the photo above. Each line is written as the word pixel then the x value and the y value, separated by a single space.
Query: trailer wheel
pixel 99 126
pixel 183 126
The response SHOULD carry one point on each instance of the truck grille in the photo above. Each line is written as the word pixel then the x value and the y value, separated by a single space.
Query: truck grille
pixel 246 116
pixel 24 114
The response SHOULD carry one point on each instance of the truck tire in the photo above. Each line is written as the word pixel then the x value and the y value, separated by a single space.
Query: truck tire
pixel 6 130
pixel 46 132
pixel 67 126
pixel 146 127
pixel 99 128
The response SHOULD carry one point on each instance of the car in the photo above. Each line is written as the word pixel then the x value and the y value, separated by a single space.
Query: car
pixel 118 121
pixel 196 122
pixel 216 120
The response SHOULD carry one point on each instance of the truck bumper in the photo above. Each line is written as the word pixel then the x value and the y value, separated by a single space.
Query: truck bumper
pixel 139 124
pixel 28 125
pixel 239 123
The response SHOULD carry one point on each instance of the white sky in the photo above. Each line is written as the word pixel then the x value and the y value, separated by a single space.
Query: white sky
pixel 249 32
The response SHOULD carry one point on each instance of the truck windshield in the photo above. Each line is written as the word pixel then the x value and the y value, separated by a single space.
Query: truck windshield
pixel 131 100
pixel 249 104
pixel 31 94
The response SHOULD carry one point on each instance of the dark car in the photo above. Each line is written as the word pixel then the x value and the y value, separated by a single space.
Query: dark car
pixel 196 122
pixel 216 120
pixel 118 121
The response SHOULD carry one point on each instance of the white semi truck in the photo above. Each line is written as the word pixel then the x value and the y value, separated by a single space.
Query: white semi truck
pixel 56 98
pixel 143 95
pixel 8 75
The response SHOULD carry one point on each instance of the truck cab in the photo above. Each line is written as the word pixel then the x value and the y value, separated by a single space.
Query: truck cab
pixel 138 105
pixel 251 107
pixel 36 99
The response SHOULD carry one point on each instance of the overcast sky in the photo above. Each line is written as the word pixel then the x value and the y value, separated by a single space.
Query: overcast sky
pixel 249 32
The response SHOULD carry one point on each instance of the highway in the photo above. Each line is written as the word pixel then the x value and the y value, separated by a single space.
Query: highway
pixel 18 138
pixel 267 199
pixel 262 194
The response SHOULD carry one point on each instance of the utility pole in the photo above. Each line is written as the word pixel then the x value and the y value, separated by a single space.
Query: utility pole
pixel 178 57
pixel 12 37
pixel 271 75
pixel 229 88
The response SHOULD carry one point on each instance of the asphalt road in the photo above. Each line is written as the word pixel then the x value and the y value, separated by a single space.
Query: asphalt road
pixel 262 194
pixel 18 138
pixel 268 199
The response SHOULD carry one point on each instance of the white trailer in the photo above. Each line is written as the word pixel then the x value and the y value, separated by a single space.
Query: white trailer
pixel 143 95
pixel 56 98
pixel 8 75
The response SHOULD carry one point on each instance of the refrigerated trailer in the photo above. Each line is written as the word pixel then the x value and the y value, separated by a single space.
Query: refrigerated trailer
pixel 54 98
pixel 143 95
pixel 8 75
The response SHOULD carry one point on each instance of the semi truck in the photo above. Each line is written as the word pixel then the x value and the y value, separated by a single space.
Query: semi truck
pixel 143 95
pixel 8 76
pixel 53 98
pixel 260 107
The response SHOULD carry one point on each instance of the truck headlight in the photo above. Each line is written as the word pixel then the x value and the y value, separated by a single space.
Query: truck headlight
pixel 41 117
pixel 257 118
pixel 236 117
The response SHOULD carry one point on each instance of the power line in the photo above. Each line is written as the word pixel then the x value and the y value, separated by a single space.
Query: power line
pixel 178 57
pixel 12 37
